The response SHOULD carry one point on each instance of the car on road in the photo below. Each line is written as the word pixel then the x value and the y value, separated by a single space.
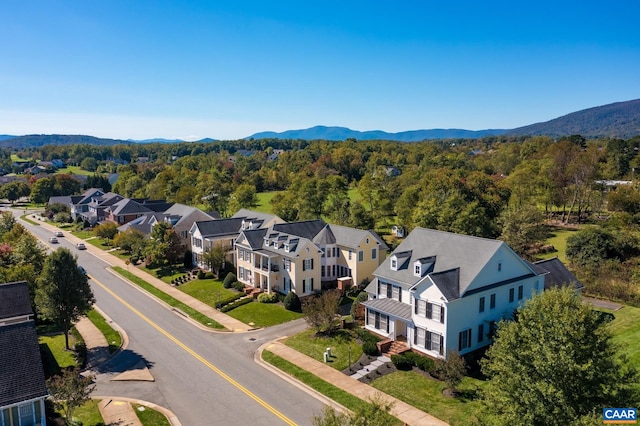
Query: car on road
pixel 53 240
pixel 82 270
pixel 81 246
pixel 58 234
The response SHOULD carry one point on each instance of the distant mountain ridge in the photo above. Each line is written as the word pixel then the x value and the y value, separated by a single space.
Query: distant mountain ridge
pixel 343 133
pixel 617 120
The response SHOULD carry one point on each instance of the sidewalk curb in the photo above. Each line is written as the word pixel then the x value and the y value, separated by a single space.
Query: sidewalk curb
pixel 171 417
pixel 257 357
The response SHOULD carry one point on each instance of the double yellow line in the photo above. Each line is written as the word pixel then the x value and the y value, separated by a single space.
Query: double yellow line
pixel 198 357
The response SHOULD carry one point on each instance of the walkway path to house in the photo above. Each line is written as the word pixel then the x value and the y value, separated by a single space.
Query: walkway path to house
pixel 370 368
pixel 403 411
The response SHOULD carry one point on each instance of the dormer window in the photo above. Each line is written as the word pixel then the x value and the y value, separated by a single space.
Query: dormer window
pixel 243 225
pixel 417 270
pixel 286 248
pixel 275 244
pixel 394 264
pixel 266 242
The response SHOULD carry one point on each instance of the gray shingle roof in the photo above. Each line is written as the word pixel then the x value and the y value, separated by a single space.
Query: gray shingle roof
pixel 250 214
pixel 351 237
pixel 390 307
pixel 221 227
pixel 307 229
pixel 556 274
pixel 452 251
pixel 21 371
pixel 128 206
pixel 14 300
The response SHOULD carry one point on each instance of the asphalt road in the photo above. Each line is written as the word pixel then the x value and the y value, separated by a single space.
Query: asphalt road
pixel 205 378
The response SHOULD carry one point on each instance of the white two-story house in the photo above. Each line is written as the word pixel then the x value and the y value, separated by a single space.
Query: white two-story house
pixel 440 292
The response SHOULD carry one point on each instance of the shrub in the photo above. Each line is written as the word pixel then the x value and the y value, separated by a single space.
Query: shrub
pixel 229 280
pixel 238 286
pixel 292 302
pixel 402 362
pixel 361 297
pixel 369 347
pixel 425 364
pixel 267 298
pixel 201 274
pixel 228 300
pixel 235 304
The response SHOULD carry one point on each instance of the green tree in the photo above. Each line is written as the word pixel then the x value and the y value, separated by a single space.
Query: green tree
pixel 42 190
pixel 244 197
pixel 15 190
pixel 320 312
pixel 590 246
pixel 106 230
pixel 63 294
pixel 7 222
pixel 65 184
pixel 359 217
pixel 89 164
pixel 164 246
pixel 132 242
pixel 214 258
pixel 374 413
pixel 69 391
pixel 555 364
pixel 522 229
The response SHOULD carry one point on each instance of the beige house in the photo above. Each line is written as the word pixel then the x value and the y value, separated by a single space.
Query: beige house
pixel 204 235
pixel 303 256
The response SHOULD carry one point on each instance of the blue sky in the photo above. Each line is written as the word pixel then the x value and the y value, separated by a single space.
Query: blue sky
pixel 143 69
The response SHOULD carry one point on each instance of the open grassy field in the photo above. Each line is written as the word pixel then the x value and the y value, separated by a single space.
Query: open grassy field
pixel 559 241
pixel 626 331
pixel 264 201
pixel 74 170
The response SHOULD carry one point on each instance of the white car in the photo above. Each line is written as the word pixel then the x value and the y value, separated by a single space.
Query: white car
pixel 53 240
pixel 58 234
pixel 81 246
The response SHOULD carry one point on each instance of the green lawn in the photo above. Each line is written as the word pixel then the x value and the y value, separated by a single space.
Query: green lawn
pixel 559 241
pixel 315 346
pixel 89 413
pixel 74 170
pixel 83 234
pixel 150 417
pixel 193 314
pixel 425 394
pixel 264 201
pixel 263 314
pixel 208 291
pixel 113 337
pixel 626 330
pixel 54 355
pixel 341 397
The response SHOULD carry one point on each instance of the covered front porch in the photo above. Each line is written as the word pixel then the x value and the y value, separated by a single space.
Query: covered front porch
pixel 266 271
pixel 390 319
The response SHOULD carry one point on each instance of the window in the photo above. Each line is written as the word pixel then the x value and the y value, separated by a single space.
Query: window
pixel 437 313
pixel 481 304
pixel 241 273
pixel 328 252
pixel 416 270
pixel 394 264
pixel 480 333
pixel 512 292
pixel 334 270
pixel 322 271
pixel 419 336
pixel 374 253
pixel 287 265
pixel 492 301
pixel 434 342
pixel 520 289
pixel 367 241
pixel 420 307
pixel 378 320
pixel 389 290
pixel 241 254
pixel 266 242
pixel 397 293
pixel 335 252
pixel 350 254
pixel 464 339
pixel 360 256
pixel 499 266
pixel 307 264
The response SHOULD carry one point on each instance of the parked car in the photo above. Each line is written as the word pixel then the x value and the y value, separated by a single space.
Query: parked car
pixel 53 240
pixel 58 234
pixel 81 246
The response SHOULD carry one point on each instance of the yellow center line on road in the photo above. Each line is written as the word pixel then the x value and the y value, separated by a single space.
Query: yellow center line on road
pixel 198 357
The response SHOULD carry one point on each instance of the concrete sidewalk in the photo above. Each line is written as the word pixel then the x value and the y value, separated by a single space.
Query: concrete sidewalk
pixel 403 411
pixel 228 322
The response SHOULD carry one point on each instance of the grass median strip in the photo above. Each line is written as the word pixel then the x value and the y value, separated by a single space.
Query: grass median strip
pixel 343 398
pixel 113 337
pixel 197 316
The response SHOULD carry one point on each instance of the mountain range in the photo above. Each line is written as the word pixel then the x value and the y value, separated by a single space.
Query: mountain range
pixel 617 120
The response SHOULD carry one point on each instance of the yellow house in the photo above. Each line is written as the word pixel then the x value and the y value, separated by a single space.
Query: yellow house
pixel 306 256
